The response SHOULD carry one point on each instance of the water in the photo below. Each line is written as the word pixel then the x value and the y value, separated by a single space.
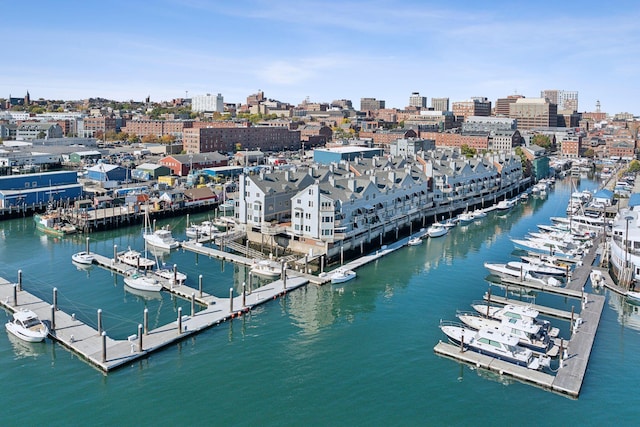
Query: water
pixel 354 354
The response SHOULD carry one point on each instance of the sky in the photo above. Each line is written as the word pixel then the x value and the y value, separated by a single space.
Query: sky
pixel 322 50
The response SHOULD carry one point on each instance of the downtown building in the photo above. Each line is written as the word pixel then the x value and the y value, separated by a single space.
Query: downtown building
pixel 533 113
pixel 229 139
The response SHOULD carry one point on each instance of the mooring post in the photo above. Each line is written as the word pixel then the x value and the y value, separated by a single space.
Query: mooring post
pixel 19 280
pixel 284 275
pixel 115 253
pixel 104 346
pixel 571 326
pixel 53 317
pixel 200 285
pixel 561 353
pixel 139 337
pixel 341 254
pixel 175 274
pixel 322 264
pixel 55 298
pixel 244 294
pixel 145 320
pixel 87 246
pixel 99 321
pixel 306 263
pixel 230 300
pixel 193 304
pixel 179 320
pixel 15 294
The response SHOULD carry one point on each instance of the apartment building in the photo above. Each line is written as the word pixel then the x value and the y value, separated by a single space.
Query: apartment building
pixel 534 113
pixel 228 139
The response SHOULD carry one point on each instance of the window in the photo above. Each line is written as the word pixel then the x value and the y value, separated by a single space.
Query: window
pixel 307 215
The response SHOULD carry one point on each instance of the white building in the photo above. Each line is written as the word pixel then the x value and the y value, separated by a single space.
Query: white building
pixel 207 103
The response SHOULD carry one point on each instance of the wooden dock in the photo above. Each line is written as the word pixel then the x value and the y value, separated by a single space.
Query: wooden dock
pixel 107 354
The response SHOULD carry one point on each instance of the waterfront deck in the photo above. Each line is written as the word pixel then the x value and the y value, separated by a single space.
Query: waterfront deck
pixel 107 354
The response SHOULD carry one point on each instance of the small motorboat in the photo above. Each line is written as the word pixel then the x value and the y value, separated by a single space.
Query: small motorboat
pixel 135 259
pixel 415 241
pixel 633 296
pixel 83 258
pixel 437 229
pixel 142 283
pixel 342 275
pixel 267 268
pixel 27 326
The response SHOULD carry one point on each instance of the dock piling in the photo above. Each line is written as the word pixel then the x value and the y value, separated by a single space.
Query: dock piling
pixel 230 300
pixel 139 337
pixel 179 320
pixel 115 253
pixel 99 321
pixel 19 280
pixel 15 295
pixel 53 317
pixel 244 294
pixel 104 346
pixel 145 320
pixel 175 275
pixel 87 246
pixel 193 304
pixel 55 298
pixel 200 285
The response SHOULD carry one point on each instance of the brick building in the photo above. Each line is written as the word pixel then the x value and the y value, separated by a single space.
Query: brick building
pixel 158 128
pixel 534 113
pixel 229 139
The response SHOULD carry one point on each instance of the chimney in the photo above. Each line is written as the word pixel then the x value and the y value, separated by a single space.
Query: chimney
pixel 352 184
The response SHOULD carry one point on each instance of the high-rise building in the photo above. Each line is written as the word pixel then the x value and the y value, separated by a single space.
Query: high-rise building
pixel 477 106
pixel 440 104
pixel 534 113
pixel 502 105
pixel 371 104
pixel 207 103
pixel 564 99
pixel 415 100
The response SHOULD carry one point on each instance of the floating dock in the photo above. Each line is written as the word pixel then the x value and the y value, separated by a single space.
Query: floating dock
pixel 107 354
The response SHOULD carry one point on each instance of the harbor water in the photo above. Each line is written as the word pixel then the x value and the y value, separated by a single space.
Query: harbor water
pixel 359 353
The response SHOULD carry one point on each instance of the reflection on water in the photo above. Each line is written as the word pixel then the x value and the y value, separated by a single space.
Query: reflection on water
pixel 23 349
pixel 628 313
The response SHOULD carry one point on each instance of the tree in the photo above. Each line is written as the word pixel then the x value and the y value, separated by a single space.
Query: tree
pixel 541 141
pixel 468 151
pixel 133 138
pixel 634 166
pixel 41 135
pixel 167 139
pixel 589 153
pixel 150 138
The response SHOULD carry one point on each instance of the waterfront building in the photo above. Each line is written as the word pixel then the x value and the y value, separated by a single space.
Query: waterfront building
pixel 539 161
pixel 327 156
pixel 229 139
pixel 34 188
pixel 158 128
pixel 182 164
pixel 504 140
pixel 28 131
pixel 108 175
pixel 147 171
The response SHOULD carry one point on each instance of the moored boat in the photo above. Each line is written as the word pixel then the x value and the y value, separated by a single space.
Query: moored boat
pixel 135 259
pixel 494 343
pixel 83 258
pixel 466 218
pixel 267 268
pixel 26 325
pixel 52 223
pixel 341 275
pixel 414 241
pixel 437 229
pixel 517 312
pixel 142 283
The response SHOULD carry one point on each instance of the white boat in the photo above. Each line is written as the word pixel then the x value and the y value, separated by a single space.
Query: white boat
pixel 505 205
pixel 161 238
pixel 494 343
pixel 466 218
pixel 27 326
pixel 203 230
pixel 582 223
pixel 450 223
pixel 597 279
pixel 437 229
pixel 224 223
pixel 520 273
pixel 518 268
pixel 143 283
pixel 83 258
pixel 414 241
pixel 341 275
pixel 547 261
pixel 135 259
pixel 634 296
pixel 165 272
pixel 479 214
pixel 529 334
pixel 546 248
pixel 517 312
pixel 267 268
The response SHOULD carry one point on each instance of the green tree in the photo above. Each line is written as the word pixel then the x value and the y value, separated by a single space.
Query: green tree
pixel 541 141
pixel 634 166
pixel 589 153
pixel 468 151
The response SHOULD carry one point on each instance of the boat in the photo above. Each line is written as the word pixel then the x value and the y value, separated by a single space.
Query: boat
pixel 437 229
pixel 341 275
pixel 547 261
pixel 515 311
pixel 633 296
pixel 166 273
pixel 52 223
pixel 224 223
pixel 26 325
pixel 520 270
pixel 415 241
pixel 142 282
pixel 597 279
pixel 479 214
pixel 466 218
pixel 505 205
pixel 267 268
pixel 584 223
pixel 160 238
pixel 135 259
pixel 450 223
pixel 494 343
pixel 205 230
pixel 529 334
pixel 83 258
pixel 545 247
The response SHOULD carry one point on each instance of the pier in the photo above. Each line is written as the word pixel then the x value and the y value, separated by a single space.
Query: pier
pixel 106 354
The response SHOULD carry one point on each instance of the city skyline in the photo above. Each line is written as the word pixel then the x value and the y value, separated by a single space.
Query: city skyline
pixel 322 51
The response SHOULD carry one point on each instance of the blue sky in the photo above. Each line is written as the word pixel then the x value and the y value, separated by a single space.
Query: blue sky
pixel 323 50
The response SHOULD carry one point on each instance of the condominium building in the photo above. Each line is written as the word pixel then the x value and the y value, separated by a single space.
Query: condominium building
pixel 228 139
pixel 371 104
pixel 471 107
pixel 564 99
pixel 440 104
pixel 415 100
pixel 207 103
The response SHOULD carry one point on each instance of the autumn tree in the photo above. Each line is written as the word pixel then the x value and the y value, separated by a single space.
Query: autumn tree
pixel 151 138
pixel 541 141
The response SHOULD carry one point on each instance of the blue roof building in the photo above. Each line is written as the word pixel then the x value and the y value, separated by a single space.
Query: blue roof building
pixel 28 189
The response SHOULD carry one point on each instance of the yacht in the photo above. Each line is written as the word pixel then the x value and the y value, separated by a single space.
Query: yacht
pixel 83 258
pixel 546 247
pixel 135 259
pixel 161 238
pixel 267 268
pixel 505 205
pixel 524 270
pixel 437 229
pixel 494 343
pixel 517 312
pixel 142 283
pixel 26 325
pixel 414 241
pixel 466 218
pixel 341 275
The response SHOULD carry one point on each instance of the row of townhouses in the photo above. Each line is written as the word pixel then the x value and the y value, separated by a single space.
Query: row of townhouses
pixel 325 207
